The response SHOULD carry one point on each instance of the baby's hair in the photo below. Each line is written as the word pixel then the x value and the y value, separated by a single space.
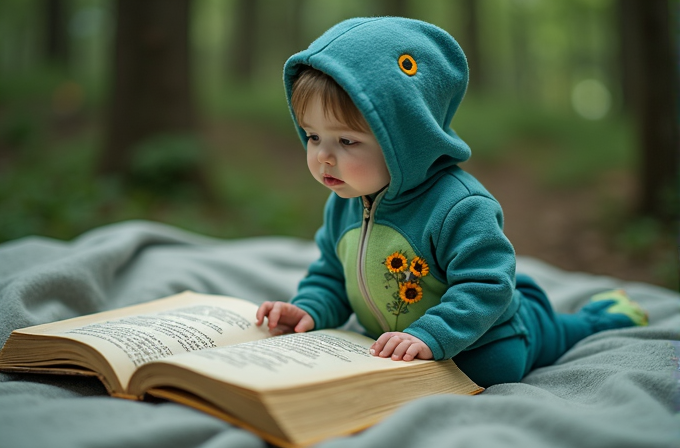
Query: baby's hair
pixel 334 99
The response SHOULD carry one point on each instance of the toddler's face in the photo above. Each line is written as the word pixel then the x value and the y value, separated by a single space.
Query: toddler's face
pixel 349 162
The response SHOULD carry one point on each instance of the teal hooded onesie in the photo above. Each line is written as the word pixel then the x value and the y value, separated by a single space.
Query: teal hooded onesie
pixel 427 255
pixel 408 78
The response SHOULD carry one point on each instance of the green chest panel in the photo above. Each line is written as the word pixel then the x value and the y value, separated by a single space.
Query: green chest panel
pixel 388 285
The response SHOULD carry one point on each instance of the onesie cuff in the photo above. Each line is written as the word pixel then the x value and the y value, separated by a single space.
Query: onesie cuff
pixel 431 342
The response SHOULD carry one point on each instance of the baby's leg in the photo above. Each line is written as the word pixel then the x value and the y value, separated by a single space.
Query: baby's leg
pixel 549 334
pixel 552 334
pixel 508 360
pixel 502 361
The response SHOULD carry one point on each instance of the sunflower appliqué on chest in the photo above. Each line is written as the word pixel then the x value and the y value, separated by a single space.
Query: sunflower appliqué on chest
pixel 403 277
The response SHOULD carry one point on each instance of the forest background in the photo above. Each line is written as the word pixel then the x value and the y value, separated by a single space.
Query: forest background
pixel 173 111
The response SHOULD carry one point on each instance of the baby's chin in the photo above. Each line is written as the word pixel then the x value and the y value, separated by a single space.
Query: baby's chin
pixel 345 193
pixel 341 188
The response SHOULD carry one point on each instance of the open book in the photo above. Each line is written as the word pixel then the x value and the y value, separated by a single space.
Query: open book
pixel 205 351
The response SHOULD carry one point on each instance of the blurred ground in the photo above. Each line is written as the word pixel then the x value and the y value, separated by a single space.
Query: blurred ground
pixel 571 228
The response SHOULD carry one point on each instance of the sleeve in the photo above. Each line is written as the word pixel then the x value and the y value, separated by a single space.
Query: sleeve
pixel 322 292
pixel 480 271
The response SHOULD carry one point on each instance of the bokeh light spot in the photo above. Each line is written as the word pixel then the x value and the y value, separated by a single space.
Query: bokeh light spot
pixel 591 99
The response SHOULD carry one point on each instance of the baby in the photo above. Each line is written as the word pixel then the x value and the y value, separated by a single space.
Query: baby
pixel 411 243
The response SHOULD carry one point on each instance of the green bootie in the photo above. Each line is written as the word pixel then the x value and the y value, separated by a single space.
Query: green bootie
pixel 614 309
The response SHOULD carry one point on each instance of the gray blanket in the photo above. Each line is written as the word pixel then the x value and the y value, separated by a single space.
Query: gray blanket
pixel 614 389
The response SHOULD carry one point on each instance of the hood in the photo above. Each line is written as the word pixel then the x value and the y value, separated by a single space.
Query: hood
pixel 407 77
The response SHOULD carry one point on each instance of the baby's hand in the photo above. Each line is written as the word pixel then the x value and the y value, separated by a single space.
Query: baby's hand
pixel 284 318
pixel 400 346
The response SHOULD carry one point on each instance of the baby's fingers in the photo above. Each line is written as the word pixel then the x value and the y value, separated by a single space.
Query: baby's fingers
pixel 411 353
pixel 275 315
pixel 378 345
pixel 390 346
pixel 306 323
pixel 401 347
pixel 262 311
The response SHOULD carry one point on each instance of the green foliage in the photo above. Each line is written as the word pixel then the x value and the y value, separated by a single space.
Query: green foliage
pixel 52 189
pixel 639 235
pixel 643 237
pixel 166 164
pixel 55 196
pixel 264 104
pixel 564 150
pixel 18 131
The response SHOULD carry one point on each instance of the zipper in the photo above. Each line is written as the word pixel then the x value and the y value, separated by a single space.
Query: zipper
pixel 366 226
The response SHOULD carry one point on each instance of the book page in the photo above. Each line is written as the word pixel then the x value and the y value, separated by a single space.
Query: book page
pixel 289 360
pixel 133 336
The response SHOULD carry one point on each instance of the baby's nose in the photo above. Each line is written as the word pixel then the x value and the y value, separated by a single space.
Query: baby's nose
pixel 326 157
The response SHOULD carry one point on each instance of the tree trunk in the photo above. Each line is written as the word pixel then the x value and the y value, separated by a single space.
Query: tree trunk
pixel 523 68
pixel 629 53
pixel 297 40
pixel 56 36
pixel 241 62
pixel 651 85
pixel 151 90
pixel 471 36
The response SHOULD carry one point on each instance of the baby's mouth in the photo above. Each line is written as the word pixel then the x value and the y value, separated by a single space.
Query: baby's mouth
pixel 331 181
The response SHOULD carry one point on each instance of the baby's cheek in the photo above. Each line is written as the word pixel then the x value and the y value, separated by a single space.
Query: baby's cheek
pixel 362 169
pixel 311 161
pixel 313 166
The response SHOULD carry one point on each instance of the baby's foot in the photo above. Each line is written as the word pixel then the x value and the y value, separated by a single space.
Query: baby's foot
pixel 614 309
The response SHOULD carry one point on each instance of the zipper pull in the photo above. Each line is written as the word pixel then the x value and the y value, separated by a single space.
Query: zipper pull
pixel 367 208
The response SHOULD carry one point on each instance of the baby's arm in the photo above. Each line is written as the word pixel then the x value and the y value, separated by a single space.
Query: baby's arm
pixel 400 346
pixel 284 318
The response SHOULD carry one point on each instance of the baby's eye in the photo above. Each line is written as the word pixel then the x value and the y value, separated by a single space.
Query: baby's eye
pixel 314 138
pixel 347 142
